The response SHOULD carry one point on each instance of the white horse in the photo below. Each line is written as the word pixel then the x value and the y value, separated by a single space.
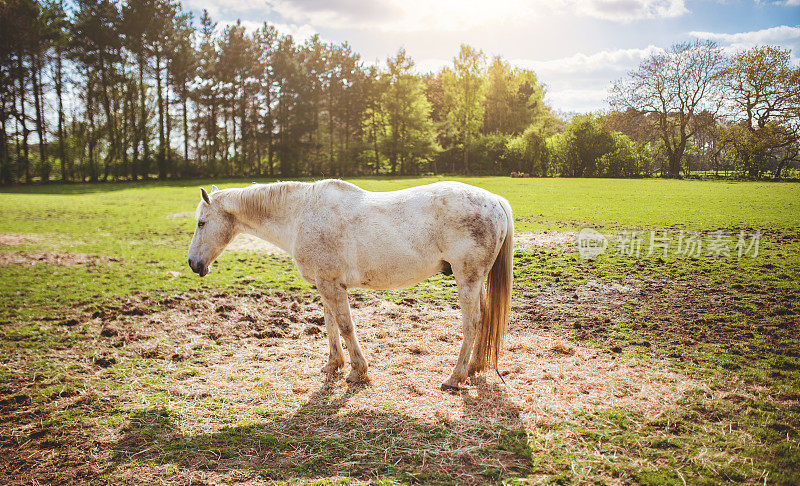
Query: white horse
pixel 341 236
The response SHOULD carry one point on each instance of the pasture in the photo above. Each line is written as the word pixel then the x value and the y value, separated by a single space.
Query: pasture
pixel 119 365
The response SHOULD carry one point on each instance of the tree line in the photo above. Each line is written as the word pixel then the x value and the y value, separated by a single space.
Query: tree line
pixel 140 89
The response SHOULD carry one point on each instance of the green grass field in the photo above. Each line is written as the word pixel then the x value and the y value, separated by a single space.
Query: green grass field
pixel 119 365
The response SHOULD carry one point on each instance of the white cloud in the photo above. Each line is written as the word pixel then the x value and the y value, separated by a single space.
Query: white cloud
pixel 785 36
pixel 579 83
pixel 456 15
pixel 402 15
pixel 333 13
pixel 300 33
pixel 774 35
pixel 424 66
pixel 608 60
pixel 222 8
pixel 577 100
pixel 629 10
pixel 248 25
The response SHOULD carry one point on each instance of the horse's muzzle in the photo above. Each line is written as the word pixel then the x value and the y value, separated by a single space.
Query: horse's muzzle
pixel 198 267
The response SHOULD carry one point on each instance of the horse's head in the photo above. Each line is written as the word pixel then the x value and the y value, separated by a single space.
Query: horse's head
pixel 215 229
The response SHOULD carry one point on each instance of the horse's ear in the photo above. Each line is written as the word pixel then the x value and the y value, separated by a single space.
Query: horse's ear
pixel 205 196
pixel 214 188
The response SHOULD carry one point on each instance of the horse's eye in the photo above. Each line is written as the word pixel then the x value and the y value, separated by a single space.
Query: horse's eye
pixel 200 224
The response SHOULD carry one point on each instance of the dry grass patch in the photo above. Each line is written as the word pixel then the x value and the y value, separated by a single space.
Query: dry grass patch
pixel 65 259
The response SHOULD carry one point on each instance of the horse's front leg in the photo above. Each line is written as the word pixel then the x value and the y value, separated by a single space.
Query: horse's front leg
pixel 334 296
pixel 335 352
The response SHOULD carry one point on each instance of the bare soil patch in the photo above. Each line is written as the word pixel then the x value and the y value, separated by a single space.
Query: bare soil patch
pixel 14 239
pixel 50 257
pixel 563 240
pixel 411 349
pixel 254 358
pixel 672 319
pixel 65 259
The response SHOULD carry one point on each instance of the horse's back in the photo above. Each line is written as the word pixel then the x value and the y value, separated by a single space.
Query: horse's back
pixel 338 185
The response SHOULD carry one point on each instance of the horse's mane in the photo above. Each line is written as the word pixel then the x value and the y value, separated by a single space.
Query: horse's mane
pixel 260 200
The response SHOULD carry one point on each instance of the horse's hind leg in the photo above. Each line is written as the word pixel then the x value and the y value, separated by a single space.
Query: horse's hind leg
pixel 473 362
pixel 334 297
pixel 335 352
pixel 469 296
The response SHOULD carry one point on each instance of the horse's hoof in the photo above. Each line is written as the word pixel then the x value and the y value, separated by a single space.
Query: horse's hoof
pixel 357 377
pixel 331 368
pixel 450 388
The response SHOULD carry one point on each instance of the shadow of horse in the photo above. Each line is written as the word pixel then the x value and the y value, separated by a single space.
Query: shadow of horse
pixel 318 440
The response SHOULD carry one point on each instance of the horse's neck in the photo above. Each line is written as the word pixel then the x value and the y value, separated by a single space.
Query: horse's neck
pixel 267 211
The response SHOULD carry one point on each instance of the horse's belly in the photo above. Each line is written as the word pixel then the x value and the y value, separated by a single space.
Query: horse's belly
pixel 395 275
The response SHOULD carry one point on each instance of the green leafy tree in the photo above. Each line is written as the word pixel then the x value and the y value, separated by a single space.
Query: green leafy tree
pixel 237 60
pixel 265 42
pixel 527 153
pixel 97 44
pixel 409 138
pixel 763 89
pixel 578 150
pixel 623 160
pixel 374 124
pixel 137 15
pixel 514 100
pixel 182 67
pixel 464 91
pixel 59 26
pixel 488 153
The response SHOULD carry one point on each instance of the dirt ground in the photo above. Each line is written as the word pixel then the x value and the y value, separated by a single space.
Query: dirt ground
pixel 66 259
pixel 411 348
pixel 252 350
pixel 58 258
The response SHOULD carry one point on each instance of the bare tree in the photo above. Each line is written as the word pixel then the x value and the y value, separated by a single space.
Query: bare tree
pixel 674 87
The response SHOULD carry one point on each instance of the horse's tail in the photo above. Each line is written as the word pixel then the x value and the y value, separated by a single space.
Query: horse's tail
pixel 496 308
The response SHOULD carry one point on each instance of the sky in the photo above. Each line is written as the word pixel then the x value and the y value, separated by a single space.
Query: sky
pixel 576 47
